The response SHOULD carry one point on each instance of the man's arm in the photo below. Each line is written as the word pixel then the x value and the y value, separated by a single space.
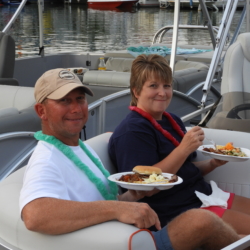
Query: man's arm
pixel 56 216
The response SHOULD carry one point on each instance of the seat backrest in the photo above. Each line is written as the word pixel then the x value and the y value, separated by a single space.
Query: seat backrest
pixel 105 236
pixel 233 112
pixel 100 145
pixel 7 58
pixel 235 85
pixel 16 97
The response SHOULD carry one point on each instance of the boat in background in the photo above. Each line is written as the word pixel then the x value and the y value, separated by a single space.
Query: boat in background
pixel 148 3
pixel 196 4
pixel 111 3
pixel 9 2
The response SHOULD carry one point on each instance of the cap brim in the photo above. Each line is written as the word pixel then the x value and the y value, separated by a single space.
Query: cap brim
pixel 65 89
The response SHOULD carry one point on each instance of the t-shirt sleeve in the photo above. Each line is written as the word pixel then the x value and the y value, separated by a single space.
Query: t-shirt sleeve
pixel 132 149
pixel 42 179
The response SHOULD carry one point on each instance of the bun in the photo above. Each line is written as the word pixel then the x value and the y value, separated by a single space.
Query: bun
pixel 147 170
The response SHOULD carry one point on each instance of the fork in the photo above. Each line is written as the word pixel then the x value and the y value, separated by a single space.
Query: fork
pixel 212 141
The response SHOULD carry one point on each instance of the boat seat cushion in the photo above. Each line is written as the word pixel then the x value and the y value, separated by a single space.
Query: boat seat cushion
pixel 186 79
pixel 16 97
pixel 105 236
pixel 16 121
pixel 182 64
pixel 124 64
pixel 8 112
pixel 235 87
pixel 107 78
pixel 119 64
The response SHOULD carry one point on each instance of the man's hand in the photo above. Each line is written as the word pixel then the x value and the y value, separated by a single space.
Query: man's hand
pixel 138 214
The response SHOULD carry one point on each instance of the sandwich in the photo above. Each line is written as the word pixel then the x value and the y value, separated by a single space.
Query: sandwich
pixel 147 175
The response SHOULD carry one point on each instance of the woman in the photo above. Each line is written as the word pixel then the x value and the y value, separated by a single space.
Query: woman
pixel 150 136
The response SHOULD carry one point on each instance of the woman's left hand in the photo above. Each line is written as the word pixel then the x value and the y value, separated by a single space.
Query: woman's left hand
pixel 135 195
pixel 141 194
pixel 217 163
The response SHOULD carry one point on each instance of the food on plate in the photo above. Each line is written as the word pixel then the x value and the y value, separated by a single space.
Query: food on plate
pixel 228 149
pixel 147 175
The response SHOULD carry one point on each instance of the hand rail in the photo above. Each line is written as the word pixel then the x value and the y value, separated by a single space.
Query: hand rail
pixel 220 42
pixel 16 14
pixel 40 3
pixel 161 32
pixel 175 34
pixel 40 11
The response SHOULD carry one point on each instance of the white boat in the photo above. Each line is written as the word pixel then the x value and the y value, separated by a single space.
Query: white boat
pixel 106 110
pixel 148 3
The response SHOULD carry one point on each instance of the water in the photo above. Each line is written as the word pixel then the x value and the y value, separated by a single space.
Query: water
pixel 79 28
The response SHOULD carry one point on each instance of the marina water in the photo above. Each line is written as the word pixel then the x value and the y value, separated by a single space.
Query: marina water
pixel 76 27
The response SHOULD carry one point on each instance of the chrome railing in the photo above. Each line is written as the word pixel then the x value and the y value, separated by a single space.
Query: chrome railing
pixel 40 3
pixel 14 17
pixel 15 150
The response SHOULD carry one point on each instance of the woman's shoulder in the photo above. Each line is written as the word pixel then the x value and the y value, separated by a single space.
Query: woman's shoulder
pixel 178 120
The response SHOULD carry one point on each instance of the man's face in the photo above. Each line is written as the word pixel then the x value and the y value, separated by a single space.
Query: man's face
pixel 65 118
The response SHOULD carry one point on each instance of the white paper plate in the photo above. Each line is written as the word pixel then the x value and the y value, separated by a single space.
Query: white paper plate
pixel 143 187
pixel 225 157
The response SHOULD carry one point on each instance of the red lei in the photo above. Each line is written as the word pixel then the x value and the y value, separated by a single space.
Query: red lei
pixel 174 124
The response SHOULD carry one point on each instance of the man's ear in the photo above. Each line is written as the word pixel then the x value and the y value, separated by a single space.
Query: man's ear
pixel 40 110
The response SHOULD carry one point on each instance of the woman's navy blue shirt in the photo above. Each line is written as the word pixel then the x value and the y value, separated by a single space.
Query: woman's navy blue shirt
pixel 136 142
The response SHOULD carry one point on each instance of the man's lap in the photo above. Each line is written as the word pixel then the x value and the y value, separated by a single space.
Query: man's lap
pixel 162 240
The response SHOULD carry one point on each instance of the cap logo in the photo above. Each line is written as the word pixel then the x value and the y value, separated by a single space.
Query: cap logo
pixel 65 74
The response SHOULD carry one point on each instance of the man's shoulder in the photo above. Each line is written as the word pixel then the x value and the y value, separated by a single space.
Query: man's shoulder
pixel 43 152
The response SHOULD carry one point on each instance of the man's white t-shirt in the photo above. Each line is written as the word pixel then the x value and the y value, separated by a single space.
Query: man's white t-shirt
pixel 50 173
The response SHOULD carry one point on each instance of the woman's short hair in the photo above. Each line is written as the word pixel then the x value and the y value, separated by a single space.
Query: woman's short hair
pixel 145 67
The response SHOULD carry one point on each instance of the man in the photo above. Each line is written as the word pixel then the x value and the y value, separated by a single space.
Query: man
pixel 65 186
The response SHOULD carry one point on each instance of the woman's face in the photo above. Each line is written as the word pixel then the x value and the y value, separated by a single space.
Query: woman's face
pixel 155 97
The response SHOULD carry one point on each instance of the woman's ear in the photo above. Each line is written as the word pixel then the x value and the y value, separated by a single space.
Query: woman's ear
pixel 135 93
pixel 41 110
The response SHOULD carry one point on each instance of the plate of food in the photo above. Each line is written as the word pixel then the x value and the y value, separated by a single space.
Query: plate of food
pixel 226 153
pixel 145 178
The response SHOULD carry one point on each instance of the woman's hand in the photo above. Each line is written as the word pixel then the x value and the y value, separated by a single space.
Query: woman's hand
pixel 192 140
pixel 207 166
pixel 135 195
pixel 217 163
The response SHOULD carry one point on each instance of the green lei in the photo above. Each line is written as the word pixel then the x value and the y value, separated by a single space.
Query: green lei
pixel 68 152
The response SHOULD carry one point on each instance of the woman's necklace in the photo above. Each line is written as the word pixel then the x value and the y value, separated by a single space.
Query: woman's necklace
pixel 68 152
pixel 174 124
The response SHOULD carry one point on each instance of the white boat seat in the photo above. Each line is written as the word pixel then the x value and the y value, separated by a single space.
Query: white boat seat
pixel 17 109
pixel 105 236
pixel 233 112
pixel 119 64
pixel 181 65
pixel 16 97
pixel 100 145
pixel 187 75
pixel 125 64
pixel 107 78
pixel 204 57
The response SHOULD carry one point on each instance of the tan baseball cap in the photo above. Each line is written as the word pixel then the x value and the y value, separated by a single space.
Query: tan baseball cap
pixel 56 83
